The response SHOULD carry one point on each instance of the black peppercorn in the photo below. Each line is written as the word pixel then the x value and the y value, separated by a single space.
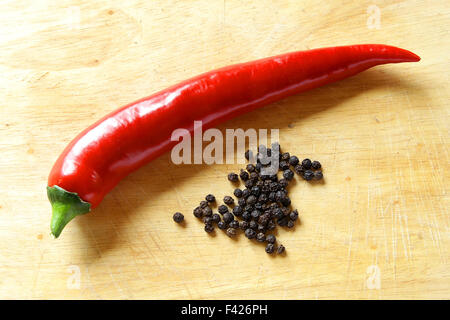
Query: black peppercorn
pixel 198 212
pixel 318 175
pixel 209 228
pixel 222 209
pixel 281 249
pixel 288 174
pixel 253 225
pixel 228 217
pixel 244 175
pixel 258 167
pixel 237 211
pixel 231 232
pixel 228 200
pixel 282 222
pixel 271 238
pixel 203 204
pixel 251 200
pixel 207 220
pixel 207 211
pixel 270 226
pixel 283 183
pixel 263 219
pixel 222 225
pixel 250 167
pixel 254 176
pixel 215 217
pixel 255 191
pixel 260 237
pixel 285 201
pixel 245 193
pixel 234 224
pixel 293 161
pixel 246 216
pixel 306 163
pixel 277 213
pixel 308 175
pixel 255 214
pixel 284 165
pixel 237 193
pixel 261 228
pixel 262 198
pixel 270 248
pixel 250 233
pixel 249 184
pixel 248 155
pixel 299 169
pixel 210 198
pixel 242 202
pixel 285 156
pixel 243 225
pixel 316 165
pixel 293 215
pixel 290 224
pixel 233 177
pixel 178 217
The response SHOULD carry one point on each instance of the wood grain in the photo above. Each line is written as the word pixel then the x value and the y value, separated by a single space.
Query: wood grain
pixel 382 136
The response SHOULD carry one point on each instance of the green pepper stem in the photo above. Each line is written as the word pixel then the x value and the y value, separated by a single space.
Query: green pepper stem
pixel 65 206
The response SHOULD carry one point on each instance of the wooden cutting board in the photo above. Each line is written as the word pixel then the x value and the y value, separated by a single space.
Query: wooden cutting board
pixel 378 228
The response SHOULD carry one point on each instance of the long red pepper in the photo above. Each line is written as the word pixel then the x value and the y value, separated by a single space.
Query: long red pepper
pixel 124 140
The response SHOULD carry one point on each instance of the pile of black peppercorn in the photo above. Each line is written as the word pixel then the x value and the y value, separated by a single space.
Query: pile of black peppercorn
pixel 263 203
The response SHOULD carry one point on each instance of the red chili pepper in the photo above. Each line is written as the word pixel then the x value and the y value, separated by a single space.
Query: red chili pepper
pixel 103 154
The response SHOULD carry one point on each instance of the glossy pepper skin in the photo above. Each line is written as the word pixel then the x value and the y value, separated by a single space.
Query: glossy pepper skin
pixel 124 140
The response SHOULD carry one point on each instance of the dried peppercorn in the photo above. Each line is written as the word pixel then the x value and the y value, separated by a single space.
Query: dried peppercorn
pixel 233 177
pixel 228 200
pixel 285 156
pixel 293 215
pixel 306 164
pixel 283 165
pixel 250 233
pixel 270 226
pixel 318 175
pixel 222 225
pixel 243 225
pixel 281 249
pixel 290 224
pixel 261 228
pixel 198 212
pixel 228 217
pixel 282 222
pixel 250 168
pixel 210 198
pixel 231 232
pixel 242 202
pixel 237 193
pixel 253 225
pixel 249 184
pixel 260 237
pixel 308 175
pixel 215 217
pixel 251 200
pixel 207 220
pixel 285 201
pixel 255 214
pixel 316 165
pixel 254 177
pixel 237 211
pixel 246 216
pixel 234 224
pixel 222 209
pixel 293 161
pixel 245 193
pixel 277 213
pixel 283 183
pixel 299 169
pixel 288 174
pixel 207 212
pixel 271 238
pixel 203 204
pixel 178 217
pixel 262 198
pixel 244 175
pixel 255 191
pixel 209 228
pixel 270 248
pixel 263 219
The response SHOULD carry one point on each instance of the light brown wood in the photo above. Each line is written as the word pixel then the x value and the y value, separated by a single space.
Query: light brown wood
pixel 382 137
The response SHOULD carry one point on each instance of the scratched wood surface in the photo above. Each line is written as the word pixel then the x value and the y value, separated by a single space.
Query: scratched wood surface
pixel 378 228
